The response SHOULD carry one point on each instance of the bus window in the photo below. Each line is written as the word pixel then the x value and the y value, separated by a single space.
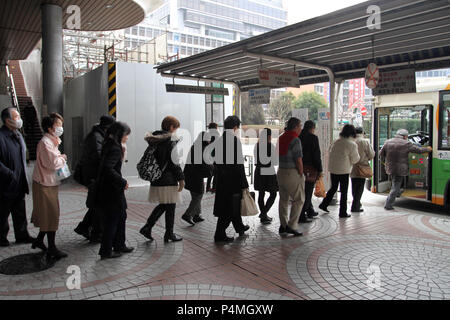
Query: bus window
pixel 444 126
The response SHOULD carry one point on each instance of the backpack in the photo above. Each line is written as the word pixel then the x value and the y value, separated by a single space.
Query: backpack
pixel 148 168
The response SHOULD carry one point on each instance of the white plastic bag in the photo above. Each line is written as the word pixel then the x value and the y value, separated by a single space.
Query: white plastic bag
pixel 63 173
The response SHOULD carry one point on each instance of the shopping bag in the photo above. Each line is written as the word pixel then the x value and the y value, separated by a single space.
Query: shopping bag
pixel 320 189
pixel 248 204
pixel 63 173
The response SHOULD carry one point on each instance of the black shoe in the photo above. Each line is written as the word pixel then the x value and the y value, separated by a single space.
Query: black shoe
pixel 188 219
pixel 4 243
pixel 226 239
pixel 345 215
pixel 242 232
pixel 125 250
pixel 95 239
pixel 305 220
pixel 266 220
pixel 322 207
pixel 55 254
pixel 29 239
pixel 357 210
pixel 390 208
pixel 294 232
pixel 111 255
pixel 39 244
pixel 146 232
pixel 172 237
pixel 82 232
pixel 197 219
pixel 282 230
pixel 312 214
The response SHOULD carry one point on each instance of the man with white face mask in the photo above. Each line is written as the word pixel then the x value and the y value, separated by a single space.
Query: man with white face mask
pixel 13 178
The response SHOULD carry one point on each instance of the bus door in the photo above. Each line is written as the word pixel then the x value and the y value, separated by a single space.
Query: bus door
pixel 418 121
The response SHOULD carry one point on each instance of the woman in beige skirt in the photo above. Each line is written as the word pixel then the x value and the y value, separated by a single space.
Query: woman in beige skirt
pixel 45 185
pixel 166 190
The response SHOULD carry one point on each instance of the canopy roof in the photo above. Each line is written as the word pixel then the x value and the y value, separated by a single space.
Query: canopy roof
pixel 413 34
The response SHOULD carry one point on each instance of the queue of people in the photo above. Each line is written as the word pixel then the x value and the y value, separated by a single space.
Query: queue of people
pixel 212 156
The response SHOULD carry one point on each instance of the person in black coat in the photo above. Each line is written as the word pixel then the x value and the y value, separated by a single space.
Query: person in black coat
pixel 231 181
pixel 13 178
pixel 195 170
pixel 311 157
pixel 111 192
pixel 86 171
pixel 265 175
pixel 166 190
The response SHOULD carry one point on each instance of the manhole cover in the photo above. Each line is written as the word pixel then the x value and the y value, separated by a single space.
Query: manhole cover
pixel 25 263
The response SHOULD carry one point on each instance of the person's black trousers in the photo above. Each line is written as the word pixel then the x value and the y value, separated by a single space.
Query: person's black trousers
pixel 234 217
pixel 265 208
pixel 16 208
pixel 169 209
pixel 113 230
pixel 92 219
pixel 357 192
pixel 307 206
pixel 336 181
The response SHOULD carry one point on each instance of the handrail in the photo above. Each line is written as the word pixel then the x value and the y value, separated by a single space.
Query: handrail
pixel 12 89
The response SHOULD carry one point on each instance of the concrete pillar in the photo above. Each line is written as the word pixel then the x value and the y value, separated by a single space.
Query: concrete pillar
pixel 52 57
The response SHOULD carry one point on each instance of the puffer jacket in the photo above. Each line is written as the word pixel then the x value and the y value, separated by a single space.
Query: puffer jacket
pixel 395 155
pixel 365 151
pixel 165 143
pixel 343 155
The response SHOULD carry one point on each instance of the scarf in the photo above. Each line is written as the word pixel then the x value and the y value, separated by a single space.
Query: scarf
pixel 285 140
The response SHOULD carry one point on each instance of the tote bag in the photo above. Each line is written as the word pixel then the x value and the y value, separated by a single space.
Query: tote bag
pixel 248 205
pixel 63 173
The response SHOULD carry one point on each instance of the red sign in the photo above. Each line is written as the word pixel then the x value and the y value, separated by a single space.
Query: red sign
pixel 372 75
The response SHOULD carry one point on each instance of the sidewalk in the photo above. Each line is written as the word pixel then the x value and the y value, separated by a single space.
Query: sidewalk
pixel 408 249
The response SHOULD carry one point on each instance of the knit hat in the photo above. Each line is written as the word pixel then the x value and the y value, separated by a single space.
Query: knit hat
pixel 106 121
pixel 402 132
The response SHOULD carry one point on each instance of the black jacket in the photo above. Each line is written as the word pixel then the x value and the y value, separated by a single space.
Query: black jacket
pixel 311 150
pixel 194 173
pixel 230 176
pixel 111 185
pixel 90 158
pixel 164 146
pixel 13 178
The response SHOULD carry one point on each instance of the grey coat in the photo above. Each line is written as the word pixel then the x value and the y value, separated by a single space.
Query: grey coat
pixel 395 154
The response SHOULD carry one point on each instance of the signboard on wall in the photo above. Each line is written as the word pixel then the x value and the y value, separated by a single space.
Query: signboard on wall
pixel 278 78
pixel 396 82
pixel 323 133
pixel 301 114
pixel 259 96
pixel 177 88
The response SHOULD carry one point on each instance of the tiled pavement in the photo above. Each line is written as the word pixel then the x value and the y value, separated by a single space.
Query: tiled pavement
pixel 403 254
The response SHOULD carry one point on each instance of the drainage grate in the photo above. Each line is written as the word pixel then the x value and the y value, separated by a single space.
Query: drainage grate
pixel 26 263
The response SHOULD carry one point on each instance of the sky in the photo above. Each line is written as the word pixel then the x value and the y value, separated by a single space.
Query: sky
pixel 300 10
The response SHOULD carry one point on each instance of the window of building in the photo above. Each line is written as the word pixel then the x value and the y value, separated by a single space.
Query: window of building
pixel 189 51
pixel 444 126
pixel 128 31
pixel 195 40
pixel 183 38
pixel 213 43
pixel 134 31
pixel 169 36
pixel 196 50
pixel 189 39
pixel 202 41
pixel 208 42
pixel 183 50
pixel 149 33
pixel 176 37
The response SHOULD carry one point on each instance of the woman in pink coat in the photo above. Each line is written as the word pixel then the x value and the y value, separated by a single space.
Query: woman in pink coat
pixel 45 185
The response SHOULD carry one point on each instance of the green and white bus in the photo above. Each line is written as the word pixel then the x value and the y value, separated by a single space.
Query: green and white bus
pixel 426 116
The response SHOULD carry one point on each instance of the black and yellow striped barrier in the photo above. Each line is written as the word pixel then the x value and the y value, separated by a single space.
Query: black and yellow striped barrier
pixel 112 99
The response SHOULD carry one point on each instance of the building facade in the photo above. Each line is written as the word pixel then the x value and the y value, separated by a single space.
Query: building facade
pixel 195 26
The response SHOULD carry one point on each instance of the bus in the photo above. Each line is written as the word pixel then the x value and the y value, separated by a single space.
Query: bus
pixel 426 116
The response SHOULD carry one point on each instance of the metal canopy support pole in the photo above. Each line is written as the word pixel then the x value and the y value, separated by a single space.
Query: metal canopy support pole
pixel 52 57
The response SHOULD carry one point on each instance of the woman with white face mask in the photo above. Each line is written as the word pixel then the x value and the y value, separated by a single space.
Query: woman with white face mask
pixel 45 185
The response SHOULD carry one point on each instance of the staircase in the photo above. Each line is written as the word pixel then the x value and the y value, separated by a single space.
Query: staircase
pixel 31 128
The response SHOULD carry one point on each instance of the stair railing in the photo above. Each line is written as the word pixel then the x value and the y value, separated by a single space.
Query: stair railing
pixel 12 89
